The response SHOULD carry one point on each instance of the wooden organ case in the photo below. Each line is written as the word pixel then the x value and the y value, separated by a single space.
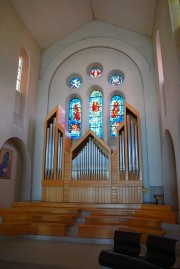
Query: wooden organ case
pixel 88 171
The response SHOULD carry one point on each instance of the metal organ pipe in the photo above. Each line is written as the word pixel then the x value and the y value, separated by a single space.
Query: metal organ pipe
pixel 132 145
pixel 90 163
pixel 47 154
pixel 59 160
pixel 129 144
pixel 136 148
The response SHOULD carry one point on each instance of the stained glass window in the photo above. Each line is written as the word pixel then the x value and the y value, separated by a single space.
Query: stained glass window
pixel 116 80
pixel 95 112
pixel 116 113
pixel 19 74
pixel 74 123
pixel 75 83
pixel 95 72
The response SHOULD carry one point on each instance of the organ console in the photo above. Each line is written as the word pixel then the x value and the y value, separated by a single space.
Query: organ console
pixel 88 171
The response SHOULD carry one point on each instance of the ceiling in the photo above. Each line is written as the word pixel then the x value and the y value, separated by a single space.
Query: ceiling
pixel 52 20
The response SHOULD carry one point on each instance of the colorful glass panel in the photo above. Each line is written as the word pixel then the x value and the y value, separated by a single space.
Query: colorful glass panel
pixel 116 113
pixel 95 112
pixel 95 72
pixel 75 83
pixel 74 123
pixel 116 80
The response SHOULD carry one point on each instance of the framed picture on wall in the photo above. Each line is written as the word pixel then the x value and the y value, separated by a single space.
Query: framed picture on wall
pixel 5 163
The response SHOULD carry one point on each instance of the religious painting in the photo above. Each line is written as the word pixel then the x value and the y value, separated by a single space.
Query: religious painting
pixel 5 163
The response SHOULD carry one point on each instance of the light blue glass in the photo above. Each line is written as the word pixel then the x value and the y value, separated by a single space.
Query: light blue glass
pixel 75 83
pixel 74 122
pixel 116 80
pixel 116 113
pixel 95 112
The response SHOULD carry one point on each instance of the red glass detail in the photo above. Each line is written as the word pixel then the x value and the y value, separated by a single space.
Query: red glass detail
pixel 95 106
pixel 115 110
pixel 76 112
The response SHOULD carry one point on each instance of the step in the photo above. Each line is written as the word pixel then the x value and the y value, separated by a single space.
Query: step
pixel 97 231
pixel 117 212
pixel 51 229
pixel 14 228
pixel 145 223
pixel 107 219
pixel 166 217
pixel 38 210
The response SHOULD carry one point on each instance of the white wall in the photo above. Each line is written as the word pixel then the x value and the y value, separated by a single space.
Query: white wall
pixel 130 52
pixel 171 67
pixel 13 36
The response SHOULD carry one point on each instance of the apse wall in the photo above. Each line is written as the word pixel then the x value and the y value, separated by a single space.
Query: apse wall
pixel 114 50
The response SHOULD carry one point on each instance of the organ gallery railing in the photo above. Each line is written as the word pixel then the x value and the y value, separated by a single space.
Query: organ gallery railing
pixel 129 146
pixel 90 159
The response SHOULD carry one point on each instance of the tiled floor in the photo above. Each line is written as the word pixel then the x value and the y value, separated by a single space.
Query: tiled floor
pixel 77 255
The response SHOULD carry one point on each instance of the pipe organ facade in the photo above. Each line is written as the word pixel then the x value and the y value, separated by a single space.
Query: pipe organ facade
pixel 89 171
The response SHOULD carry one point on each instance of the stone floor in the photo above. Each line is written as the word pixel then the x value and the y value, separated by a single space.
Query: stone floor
pixel 61 252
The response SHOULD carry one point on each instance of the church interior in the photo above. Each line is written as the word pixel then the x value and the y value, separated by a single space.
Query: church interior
pixel 89 118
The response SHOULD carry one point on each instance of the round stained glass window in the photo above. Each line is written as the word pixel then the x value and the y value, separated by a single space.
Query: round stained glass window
pixel 95 72
pixel 75 83
pixel 116 80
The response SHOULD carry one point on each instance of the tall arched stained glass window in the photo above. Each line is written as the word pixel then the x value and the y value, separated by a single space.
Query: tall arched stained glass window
pixel 95 112
pixel 116 113
pixel 74 123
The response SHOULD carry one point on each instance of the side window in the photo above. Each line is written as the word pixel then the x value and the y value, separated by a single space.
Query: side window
pixel 19 74
pixel 21 87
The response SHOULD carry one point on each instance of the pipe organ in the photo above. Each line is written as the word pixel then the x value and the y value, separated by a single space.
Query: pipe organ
pixel 129 150
pixel 91 162
pixel 55 139
pixel 88 171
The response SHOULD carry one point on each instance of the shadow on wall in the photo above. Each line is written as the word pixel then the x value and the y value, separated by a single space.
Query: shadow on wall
pixel 169 171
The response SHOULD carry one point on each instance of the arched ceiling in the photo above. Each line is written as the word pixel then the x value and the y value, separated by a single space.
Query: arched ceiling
pixel 52 20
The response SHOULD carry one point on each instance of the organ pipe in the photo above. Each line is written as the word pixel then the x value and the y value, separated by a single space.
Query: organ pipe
pixel 131 150
pixel 91 162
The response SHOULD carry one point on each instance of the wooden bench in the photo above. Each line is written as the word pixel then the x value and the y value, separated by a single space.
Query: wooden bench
pixel 145 223
pixel 51 229
pixel 166 217
pixel 14 229
pixel 107 219
pixel 159 208
pixel 67 219
pixel 96 231
pixel 117 212
pixel 38 210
